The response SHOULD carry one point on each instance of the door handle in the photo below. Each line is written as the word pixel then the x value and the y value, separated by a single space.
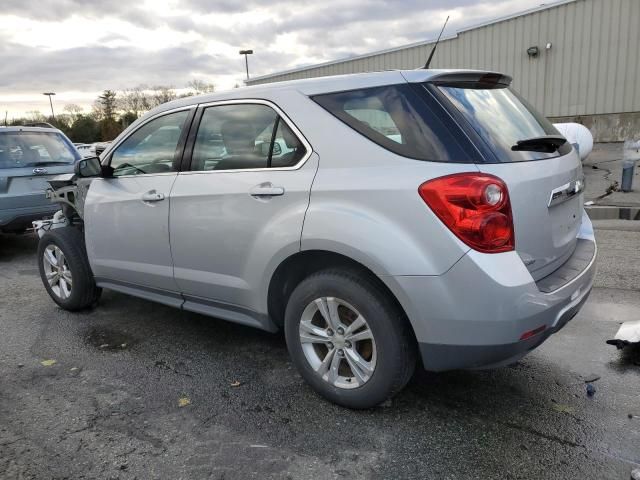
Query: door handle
pixel 266 190
pixel 152 196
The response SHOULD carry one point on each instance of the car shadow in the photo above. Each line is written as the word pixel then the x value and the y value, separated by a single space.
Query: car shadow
pixel 249 371
pixel 628 359
pixel 14 246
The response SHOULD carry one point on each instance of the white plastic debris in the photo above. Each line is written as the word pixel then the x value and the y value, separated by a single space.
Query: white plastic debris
pixel 43 226
pixel 628 333
pixel 579 135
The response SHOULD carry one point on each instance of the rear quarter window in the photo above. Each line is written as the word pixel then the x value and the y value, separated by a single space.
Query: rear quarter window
pixel 399 119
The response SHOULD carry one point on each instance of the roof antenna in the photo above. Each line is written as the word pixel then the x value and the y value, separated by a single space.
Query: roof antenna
pixel 426 65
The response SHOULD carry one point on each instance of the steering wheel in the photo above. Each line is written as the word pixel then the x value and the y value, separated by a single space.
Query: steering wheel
pixel 128 165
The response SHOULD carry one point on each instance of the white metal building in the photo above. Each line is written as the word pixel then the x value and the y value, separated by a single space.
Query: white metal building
pixel 587 65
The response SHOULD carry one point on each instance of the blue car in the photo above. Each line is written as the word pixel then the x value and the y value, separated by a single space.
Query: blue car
pixel 29 157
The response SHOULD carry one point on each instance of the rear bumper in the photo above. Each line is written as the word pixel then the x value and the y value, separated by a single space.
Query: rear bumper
pixel 17 211
pixel 438 357
pixel 475 315
pixel 21 218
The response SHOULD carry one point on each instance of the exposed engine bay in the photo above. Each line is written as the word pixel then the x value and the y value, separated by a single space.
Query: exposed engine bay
pixel 70 192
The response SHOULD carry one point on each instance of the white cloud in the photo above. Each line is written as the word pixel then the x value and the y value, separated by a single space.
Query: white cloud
pixel 79 48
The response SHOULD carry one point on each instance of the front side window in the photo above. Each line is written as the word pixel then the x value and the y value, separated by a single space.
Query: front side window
pixel 241 136
pixel 152 148
pixel 33 149
pixel 398 118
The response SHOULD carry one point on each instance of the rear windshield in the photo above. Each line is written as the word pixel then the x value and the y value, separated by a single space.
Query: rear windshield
pixel 502 118
pixel 399 119
pixel 32 149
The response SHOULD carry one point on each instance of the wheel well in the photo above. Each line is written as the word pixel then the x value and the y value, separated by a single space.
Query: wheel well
pixel 299 266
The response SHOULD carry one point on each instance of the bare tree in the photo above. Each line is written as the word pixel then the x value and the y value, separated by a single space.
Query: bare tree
pixel 162 94
pixel 36 116
pixel 73 109
pixel 201 87
pixel 135 100
pixel 73 112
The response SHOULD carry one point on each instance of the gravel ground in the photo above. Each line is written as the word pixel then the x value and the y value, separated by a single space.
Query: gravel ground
pixel 138 390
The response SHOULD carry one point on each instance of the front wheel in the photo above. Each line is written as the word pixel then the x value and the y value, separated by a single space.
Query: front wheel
pixel 64 269
pixel 347 338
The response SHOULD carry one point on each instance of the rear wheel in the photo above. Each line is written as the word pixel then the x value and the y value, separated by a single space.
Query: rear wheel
pixel 349 341
pixel 64 269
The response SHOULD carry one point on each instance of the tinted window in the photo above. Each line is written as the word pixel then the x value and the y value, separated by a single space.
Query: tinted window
pixel 502 118
pixel 233 137
pixel 288 150
pixel 151 148
pixel 398 118
pixel 30 149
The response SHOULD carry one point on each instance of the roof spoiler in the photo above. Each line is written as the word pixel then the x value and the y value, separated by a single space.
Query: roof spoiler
pixel 470 79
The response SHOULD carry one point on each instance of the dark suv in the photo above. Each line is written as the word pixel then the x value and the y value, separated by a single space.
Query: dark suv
pixel 29 156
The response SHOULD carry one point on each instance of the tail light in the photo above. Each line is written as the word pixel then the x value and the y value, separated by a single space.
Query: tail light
pixel 475 207
pixel 532 333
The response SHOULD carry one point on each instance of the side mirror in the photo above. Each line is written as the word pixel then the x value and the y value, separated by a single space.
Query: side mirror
pixel 88 167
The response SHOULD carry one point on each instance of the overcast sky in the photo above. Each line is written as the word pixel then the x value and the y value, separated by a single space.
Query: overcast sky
pixel 78 48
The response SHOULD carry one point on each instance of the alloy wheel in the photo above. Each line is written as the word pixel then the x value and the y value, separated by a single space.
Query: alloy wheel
pixel 57 272
pixel 337 342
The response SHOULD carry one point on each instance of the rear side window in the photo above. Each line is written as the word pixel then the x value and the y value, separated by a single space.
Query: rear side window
pixel 502 118
pixel 31 149
pixel 244 136
pixel 287 150
pixel 399 119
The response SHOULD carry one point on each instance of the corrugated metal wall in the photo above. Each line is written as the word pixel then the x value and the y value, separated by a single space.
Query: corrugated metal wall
pixel 593 66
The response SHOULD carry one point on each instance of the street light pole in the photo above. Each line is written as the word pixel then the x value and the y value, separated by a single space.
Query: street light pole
pixel 49 94
pixel 246 54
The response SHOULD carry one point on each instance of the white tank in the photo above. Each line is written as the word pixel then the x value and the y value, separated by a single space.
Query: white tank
pixel 577 134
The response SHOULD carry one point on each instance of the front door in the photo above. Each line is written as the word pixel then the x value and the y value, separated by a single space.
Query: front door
pixel 127 216
pixel 241 206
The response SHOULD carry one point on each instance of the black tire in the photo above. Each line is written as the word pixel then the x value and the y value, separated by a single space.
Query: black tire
pixel 395 344
pixel 84 292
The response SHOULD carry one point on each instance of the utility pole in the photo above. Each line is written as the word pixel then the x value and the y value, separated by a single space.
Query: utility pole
pixel 246 54
pixel 50 94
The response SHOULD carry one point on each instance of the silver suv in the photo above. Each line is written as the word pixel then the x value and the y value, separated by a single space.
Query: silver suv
pixel 29 156
pixel 378 219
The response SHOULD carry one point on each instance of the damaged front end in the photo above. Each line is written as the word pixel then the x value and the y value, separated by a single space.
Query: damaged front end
pixel 70 192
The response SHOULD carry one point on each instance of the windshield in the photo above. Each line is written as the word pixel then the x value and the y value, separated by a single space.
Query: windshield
pixel 31 149
pixel 502 118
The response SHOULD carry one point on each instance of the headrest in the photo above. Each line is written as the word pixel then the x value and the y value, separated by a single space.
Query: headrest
pixel 238 137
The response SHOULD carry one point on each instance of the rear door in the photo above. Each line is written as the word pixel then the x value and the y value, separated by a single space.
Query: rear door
pixel 545 183
pixel 239 209
pixel 127 216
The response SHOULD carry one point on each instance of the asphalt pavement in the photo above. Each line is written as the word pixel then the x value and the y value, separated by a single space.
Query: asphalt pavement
pixel 134 389
pixel 603 174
